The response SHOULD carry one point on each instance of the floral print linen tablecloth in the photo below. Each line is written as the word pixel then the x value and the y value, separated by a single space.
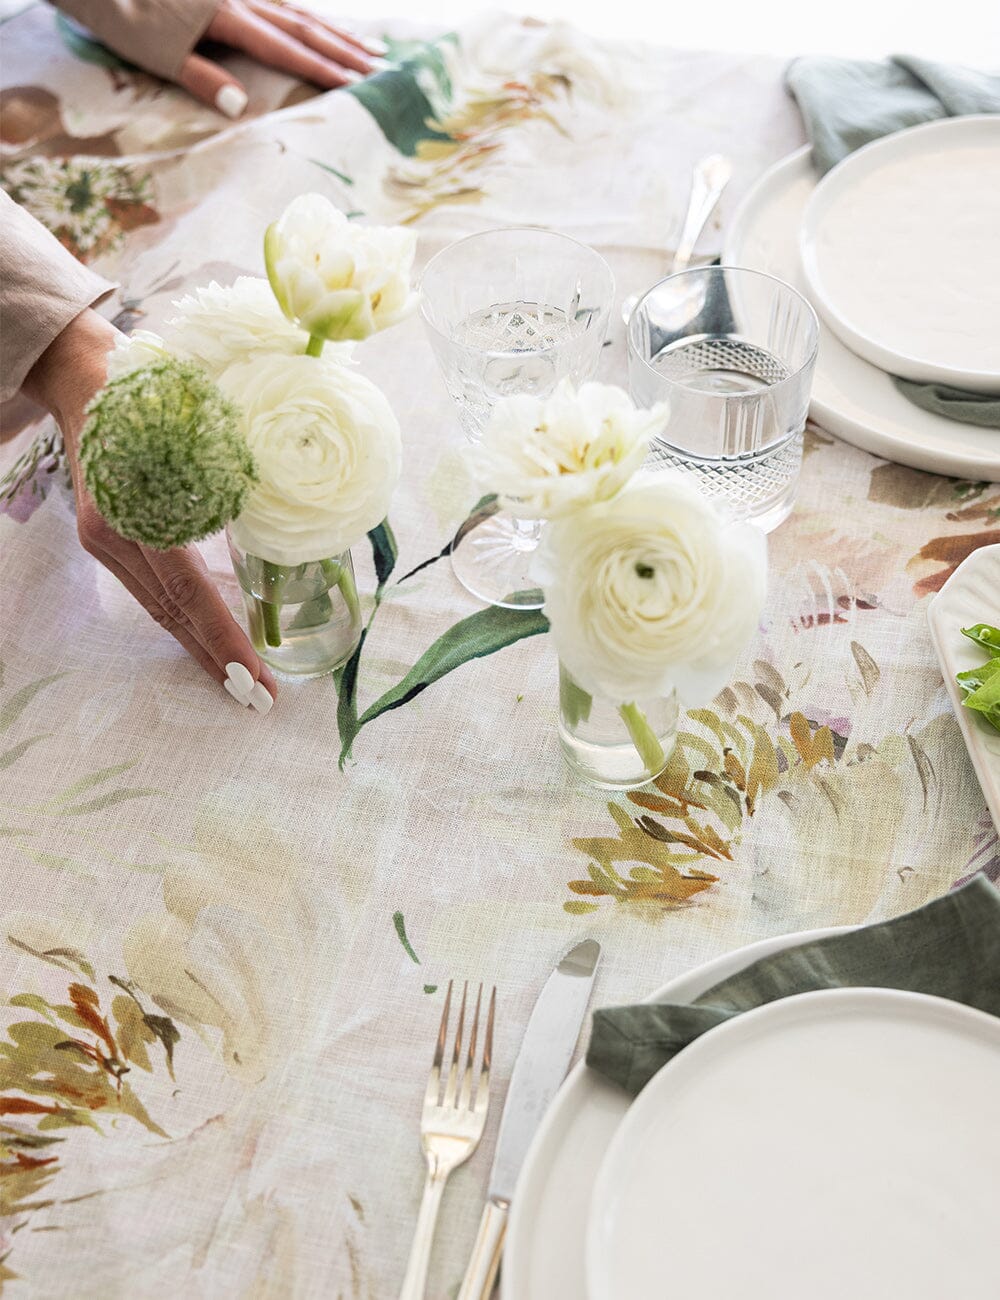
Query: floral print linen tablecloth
pixel 225 938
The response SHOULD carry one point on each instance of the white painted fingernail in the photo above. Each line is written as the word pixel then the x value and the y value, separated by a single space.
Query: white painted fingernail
pixel 241 697
pixel 231 100
pixel 241 677
pixel 261 698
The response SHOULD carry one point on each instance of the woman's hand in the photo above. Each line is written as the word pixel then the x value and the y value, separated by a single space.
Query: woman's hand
pixel 279 36
pixel 174 587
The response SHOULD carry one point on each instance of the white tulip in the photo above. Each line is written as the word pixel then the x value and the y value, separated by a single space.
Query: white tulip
pixel 336 279
pixel 327 448
pixel 219 325
pixel 652 591
pixel 546 457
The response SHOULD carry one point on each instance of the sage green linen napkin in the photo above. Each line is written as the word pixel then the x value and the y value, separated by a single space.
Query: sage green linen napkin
pixel 949 948
pixel 847 103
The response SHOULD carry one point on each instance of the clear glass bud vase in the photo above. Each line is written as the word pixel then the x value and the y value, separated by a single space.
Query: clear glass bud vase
pixel 304 619
pixel 615 746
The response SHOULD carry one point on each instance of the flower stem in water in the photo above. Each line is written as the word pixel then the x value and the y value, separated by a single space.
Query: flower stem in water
pixel 271 609
pixel 645 739
pixel 573 700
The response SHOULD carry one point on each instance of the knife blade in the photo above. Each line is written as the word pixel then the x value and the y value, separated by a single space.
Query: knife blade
pixel 542 1061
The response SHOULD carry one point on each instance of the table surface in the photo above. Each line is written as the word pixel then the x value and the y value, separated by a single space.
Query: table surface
pixel 262 937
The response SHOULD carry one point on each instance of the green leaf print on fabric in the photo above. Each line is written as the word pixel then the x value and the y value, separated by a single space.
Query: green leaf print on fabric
pixel 65 1069
pixel 399 106
pixel 12 709
pixel 87 49
pixel 400 924
pixel 395 97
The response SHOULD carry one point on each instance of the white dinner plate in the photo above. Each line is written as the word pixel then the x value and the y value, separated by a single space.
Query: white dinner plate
pixel 832 1144
pixel 546 1238
pixel 900 247
pixel 851 398
pixel 971 595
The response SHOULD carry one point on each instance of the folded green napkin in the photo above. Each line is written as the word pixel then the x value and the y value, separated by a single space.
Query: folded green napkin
pixel 846 103
pixel 949 948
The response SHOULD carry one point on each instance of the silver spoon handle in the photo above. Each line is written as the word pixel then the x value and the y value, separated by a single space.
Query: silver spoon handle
pixel 711 176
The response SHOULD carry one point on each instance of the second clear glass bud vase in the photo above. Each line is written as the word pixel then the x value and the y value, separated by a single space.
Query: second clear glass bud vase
pixel 304 619
pixel 615 746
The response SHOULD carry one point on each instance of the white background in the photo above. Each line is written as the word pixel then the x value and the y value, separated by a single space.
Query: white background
pixel 962 30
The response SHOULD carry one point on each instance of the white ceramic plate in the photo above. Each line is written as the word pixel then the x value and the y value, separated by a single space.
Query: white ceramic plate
pixel 838 1143
pixel 900 249
pixel 851 398
pixel 971 595
pixel 544 1254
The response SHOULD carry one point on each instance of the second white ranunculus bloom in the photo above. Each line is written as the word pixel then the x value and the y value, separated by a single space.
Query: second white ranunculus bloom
pixel 547 457
pixel 336 279
pixel 652 592
pixel 327 447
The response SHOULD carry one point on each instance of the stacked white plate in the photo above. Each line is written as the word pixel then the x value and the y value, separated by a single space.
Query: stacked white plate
pixel 839 1143
pixel 898 249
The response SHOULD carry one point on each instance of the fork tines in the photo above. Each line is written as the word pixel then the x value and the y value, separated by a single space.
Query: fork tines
pixel 459 1097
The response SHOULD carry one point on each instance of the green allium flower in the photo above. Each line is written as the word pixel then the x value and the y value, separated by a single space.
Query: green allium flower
pixel 163 456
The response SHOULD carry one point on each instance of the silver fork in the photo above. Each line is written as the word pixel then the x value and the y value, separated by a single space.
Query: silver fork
pixel 450 1128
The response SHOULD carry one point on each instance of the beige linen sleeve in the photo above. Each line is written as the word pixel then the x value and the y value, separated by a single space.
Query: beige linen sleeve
pixel 42 288
pixel 156 35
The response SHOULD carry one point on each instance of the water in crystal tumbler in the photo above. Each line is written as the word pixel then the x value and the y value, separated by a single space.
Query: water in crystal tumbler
pixel 732 353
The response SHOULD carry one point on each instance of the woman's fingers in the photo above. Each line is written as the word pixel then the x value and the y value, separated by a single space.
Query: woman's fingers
pixel 191 601
pixel 325 40
pixel 269 44
pixel 175 589
pixel 368 44
pixel 212 85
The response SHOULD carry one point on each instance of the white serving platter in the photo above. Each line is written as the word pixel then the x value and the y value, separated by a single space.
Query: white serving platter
pixel 971 595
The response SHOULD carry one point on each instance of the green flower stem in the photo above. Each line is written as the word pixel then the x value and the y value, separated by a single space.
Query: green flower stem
pixel 270 609
pixel 338 575
pixel 573 700
pixel 255 617
pixel 645 739
pixel 315 345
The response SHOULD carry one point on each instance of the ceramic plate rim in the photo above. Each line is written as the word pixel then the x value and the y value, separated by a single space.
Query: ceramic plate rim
pixel 982 761
pixel 921 369
pixel 706 973
pixel 908 1003
pixel 933 451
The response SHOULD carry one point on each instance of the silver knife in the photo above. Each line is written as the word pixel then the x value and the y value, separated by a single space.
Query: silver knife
pixel 541 1065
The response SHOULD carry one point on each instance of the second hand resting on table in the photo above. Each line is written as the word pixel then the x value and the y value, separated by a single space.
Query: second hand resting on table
pixel 278 36
pixel 160 37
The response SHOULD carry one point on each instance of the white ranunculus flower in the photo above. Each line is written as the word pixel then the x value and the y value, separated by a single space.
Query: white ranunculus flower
pixel 327 448
pixel 133 351
pixel 333 278
pixel 652 591
pixel 218 326
pixel 547 457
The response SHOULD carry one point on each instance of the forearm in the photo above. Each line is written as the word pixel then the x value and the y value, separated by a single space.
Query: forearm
pixel 156 35
pixel 71 370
